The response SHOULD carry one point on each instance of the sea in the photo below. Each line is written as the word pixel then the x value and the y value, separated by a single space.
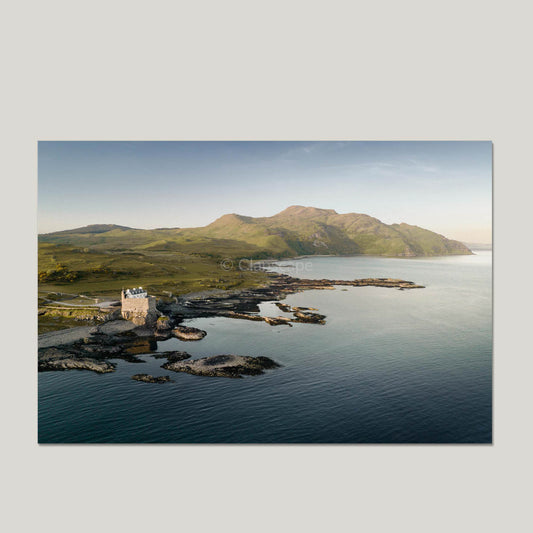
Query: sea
pixel 389 366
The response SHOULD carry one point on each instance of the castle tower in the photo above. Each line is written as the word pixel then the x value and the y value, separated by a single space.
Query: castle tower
pixel 138 307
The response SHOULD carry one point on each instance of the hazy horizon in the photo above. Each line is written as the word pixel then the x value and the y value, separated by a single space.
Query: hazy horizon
pixel 443 186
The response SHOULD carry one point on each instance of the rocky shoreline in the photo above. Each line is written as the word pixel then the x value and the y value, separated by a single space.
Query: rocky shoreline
pixel 233 303
pixel 90 348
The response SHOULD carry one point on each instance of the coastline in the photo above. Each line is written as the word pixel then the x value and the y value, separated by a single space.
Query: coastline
pixel 311 256
pixel 376 346
pixel 91 347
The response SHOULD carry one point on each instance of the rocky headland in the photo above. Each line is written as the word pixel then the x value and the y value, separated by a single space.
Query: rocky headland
pixel 57 359
pixel 93 348
pixel 117 339
pixel 244 304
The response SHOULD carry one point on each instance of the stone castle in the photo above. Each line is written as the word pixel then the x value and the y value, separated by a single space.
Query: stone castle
pixel 138 307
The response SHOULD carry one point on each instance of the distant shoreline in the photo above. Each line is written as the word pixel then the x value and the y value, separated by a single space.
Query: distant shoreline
pixel 480 247
pixel 298 257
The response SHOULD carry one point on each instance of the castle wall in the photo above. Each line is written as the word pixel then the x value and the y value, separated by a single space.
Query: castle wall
pixel 139 305
pixel 140 311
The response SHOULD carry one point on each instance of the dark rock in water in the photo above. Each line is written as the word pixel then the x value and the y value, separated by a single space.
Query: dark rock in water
pixel 244 316
pixel 52 353
pixel 283 284
pixel 277 321
pixel 100 367
pixel 98 350
pixel 171 357
pixel 284 307
pixel 188 334
pixel 228 366
pixel 272 321
pixel 62 359
pixel 91 353
pixel 311 318
pixel 147 378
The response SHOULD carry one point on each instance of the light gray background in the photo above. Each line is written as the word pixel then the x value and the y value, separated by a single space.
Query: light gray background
pixel 288 70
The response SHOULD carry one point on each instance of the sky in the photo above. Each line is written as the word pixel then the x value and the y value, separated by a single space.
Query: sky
pixel 439 185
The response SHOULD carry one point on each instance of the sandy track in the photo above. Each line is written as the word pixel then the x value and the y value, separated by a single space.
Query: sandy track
pixel 71 335
pixel 64 336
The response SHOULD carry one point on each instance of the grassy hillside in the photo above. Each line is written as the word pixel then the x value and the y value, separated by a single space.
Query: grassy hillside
pixel 102 258
pixel 93 271
pixel 308 230
pixel 91 228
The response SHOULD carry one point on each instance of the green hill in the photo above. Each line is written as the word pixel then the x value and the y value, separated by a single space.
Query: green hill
pixel 92 228
pixel 308 230
pixel 295 231
pixel 101 258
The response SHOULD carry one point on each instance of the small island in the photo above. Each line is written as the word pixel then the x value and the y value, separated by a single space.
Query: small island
pixel 227 366
pixel 147 378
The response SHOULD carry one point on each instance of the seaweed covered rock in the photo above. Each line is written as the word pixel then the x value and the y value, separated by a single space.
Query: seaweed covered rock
pixel 188 334
pixel 311 318
pixel 277 321
pixel 72 363
pixel 228 366
pixel 244 316
pixel 147 378
pixel 171 357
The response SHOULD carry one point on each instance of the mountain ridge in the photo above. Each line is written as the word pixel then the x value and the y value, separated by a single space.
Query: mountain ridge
pixel 90 228
pixel 297 230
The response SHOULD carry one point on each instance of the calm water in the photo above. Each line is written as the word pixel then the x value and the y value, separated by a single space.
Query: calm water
pixel 389 366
